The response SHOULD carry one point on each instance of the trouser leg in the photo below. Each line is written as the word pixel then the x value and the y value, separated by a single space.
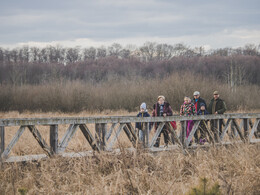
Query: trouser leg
pixel 141 135
pixel 220 126
pixel 166 136
pixel 214 128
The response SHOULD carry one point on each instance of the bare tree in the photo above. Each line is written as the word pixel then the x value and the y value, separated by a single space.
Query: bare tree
pixel 148 50
pixel 89 53
pixel 72 54
pixel 115 49
pixel 101 52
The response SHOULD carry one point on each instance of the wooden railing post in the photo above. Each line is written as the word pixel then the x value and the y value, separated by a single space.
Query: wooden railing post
pixel 2 140
pixel 183 132
pixel 100 129
pixel 54 139
pixel 246 127
pixel 146 135
pixel 104 131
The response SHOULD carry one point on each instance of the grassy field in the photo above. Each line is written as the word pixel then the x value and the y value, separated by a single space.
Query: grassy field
pixel 235 169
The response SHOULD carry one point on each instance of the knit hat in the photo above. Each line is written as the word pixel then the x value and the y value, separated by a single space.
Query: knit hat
pixel 196 93
pixel 161 96
pixel 143 106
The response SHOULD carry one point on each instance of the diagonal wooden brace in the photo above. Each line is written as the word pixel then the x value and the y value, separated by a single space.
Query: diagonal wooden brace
pixel 194 129
pixel 13 142
pixel 157 133
pixel 40 140
pixel 67 137
pixel 89 137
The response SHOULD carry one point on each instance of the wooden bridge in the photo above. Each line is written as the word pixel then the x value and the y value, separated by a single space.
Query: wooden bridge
pixel 243 127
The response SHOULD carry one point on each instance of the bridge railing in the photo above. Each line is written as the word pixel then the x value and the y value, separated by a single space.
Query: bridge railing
pixel 233 127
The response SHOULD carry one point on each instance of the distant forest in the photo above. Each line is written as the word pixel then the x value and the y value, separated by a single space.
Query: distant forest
pixel 34 65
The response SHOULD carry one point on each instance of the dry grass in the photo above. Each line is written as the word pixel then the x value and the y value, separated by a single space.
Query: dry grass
pixel 118 94
pixel 236 168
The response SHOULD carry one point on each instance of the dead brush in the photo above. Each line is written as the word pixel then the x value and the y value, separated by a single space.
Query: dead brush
pixel 235 169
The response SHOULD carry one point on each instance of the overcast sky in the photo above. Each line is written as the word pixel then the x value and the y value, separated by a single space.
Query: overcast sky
pixel 209 23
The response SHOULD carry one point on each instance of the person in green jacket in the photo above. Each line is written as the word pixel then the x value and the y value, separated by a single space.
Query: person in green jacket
pixel 216 106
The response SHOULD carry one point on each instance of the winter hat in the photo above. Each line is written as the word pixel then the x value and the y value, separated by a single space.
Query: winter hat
pixel 143 106
pixel 196 93
pixel 161 96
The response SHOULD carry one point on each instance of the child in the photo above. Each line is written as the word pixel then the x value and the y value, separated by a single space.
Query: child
pixel 140 126
pixel 203 124
pixel 188 109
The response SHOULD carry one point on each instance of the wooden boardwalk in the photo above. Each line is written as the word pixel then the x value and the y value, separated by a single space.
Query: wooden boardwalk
pixel 242 127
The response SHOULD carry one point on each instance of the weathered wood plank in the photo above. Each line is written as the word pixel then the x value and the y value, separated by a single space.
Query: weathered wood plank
pixel 146 135
pixel 2 139
pixel 253 130
pixel 194 129
pixel 54 142
pixel 210 133
pixel 238 130
pixel 225 129
pixel 115 152
pixel 118 119
pixel 109 133
pixel 175 136
pixel 158 131
pixel 132 130
pixel 89 137
pixel 129 135
pixel 113 139
pixel 183 132
pixel 13 142
pixel 246 127
pixel 67 137
pixel 98 135
pixel 40 140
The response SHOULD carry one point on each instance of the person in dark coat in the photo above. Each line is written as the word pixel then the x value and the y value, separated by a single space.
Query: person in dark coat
pixel 198 101
pixel 140 126
pixel 203 125
pixel 162 108
pixel 217 106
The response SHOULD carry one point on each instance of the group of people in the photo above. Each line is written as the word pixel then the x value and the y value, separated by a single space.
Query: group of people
pixel 195 106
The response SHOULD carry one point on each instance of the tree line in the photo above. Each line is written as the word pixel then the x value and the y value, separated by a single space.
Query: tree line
pixel 34 65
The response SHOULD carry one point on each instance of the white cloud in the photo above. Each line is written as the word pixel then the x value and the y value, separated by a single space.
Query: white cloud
pixel 221 39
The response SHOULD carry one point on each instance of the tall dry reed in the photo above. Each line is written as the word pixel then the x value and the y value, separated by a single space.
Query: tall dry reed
pixel 122 94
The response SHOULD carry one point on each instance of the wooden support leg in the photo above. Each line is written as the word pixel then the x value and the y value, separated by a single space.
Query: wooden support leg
pixel 13 142
pixel 174 135
pixel 183 132
pixel 67 137
pixel 146 135
pixel 246 127
pixel 39 139
pixel 238 130
pixel 89 137
pixel 2 140
pixel 158 131
pixel 54 143
pixel 103 135
pixel 254 129
pixel 109 133
pixel 130 136
pixel 225 130
pixel 194 129
pixel 113 139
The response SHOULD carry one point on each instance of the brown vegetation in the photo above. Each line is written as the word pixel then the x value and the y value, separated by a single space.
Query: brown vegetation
pixel 118 94
pixel 235 169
